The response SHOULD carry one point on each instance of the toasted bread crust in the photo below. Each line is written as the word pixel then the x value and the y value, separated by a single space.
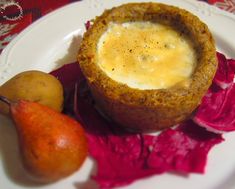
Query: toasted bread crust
pixel 149 110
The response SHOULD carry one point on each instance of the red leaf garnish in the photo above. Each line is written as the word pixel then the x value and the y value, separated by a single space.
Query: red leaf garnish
pixel 217 110
pixel 88 25
pixel 225 72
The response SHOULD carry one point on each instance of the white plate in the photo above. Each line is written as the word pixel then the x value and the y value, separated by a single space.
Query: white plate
pixel 53 41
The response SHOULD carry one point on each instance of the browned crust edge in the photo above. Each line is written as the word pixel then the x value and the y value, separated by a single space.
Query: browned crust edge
pixel 149 109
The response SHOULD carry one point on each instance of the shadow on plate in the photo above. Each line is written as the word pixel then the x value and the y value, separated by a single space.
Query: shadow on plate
pixel 10 155
pixel 89 183
pixel 86 185
pixel 72 51
pixel 225 46
pixel 178 174
pixel 228 183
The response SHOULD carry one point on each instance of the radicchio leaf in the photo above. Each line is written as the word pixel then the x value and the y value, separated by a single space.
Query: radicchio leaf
pixel 217 110
pixel 225 72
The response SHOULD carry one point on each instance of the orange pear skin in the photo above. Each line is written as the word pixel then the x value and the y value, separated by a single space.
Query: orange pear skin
pixel 52 145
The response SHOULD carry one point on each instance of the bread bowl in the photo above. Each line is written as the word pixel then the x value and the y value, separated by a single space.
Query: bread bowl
pixel 148 108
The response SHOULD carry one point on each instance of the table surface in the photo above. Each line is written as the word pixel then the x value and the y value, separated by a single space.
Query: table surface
pixel 16 15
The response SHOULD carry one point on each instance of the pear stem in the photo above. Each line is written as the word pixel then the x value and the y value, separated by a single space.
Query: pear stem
pixel 5 100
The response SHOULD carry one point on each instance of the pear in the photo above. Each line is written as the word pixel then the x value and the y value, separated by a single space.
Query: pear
pixel 52 145
pixel 33 85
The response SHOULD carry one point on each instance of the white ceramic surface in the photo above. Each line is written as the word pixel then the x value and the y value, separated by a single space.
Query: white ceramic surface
pixel 53 41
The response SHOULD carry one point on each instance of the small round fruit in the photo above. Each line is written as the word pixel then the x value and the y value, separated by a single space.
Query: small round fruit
pixel 35 86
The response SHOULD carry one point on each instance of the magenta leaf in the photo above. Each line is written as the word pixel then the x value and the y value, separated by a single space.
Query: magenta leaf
pixel 217 110
pixel 225 72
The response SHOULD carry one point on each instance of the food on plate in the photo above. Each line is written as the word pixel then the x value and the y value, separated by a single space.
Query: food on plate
pixel 34 86
pixel 183 149
pixel 225 73
pixel 148 65
pixel 160 60
pixel 216 112
pixel 52 145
